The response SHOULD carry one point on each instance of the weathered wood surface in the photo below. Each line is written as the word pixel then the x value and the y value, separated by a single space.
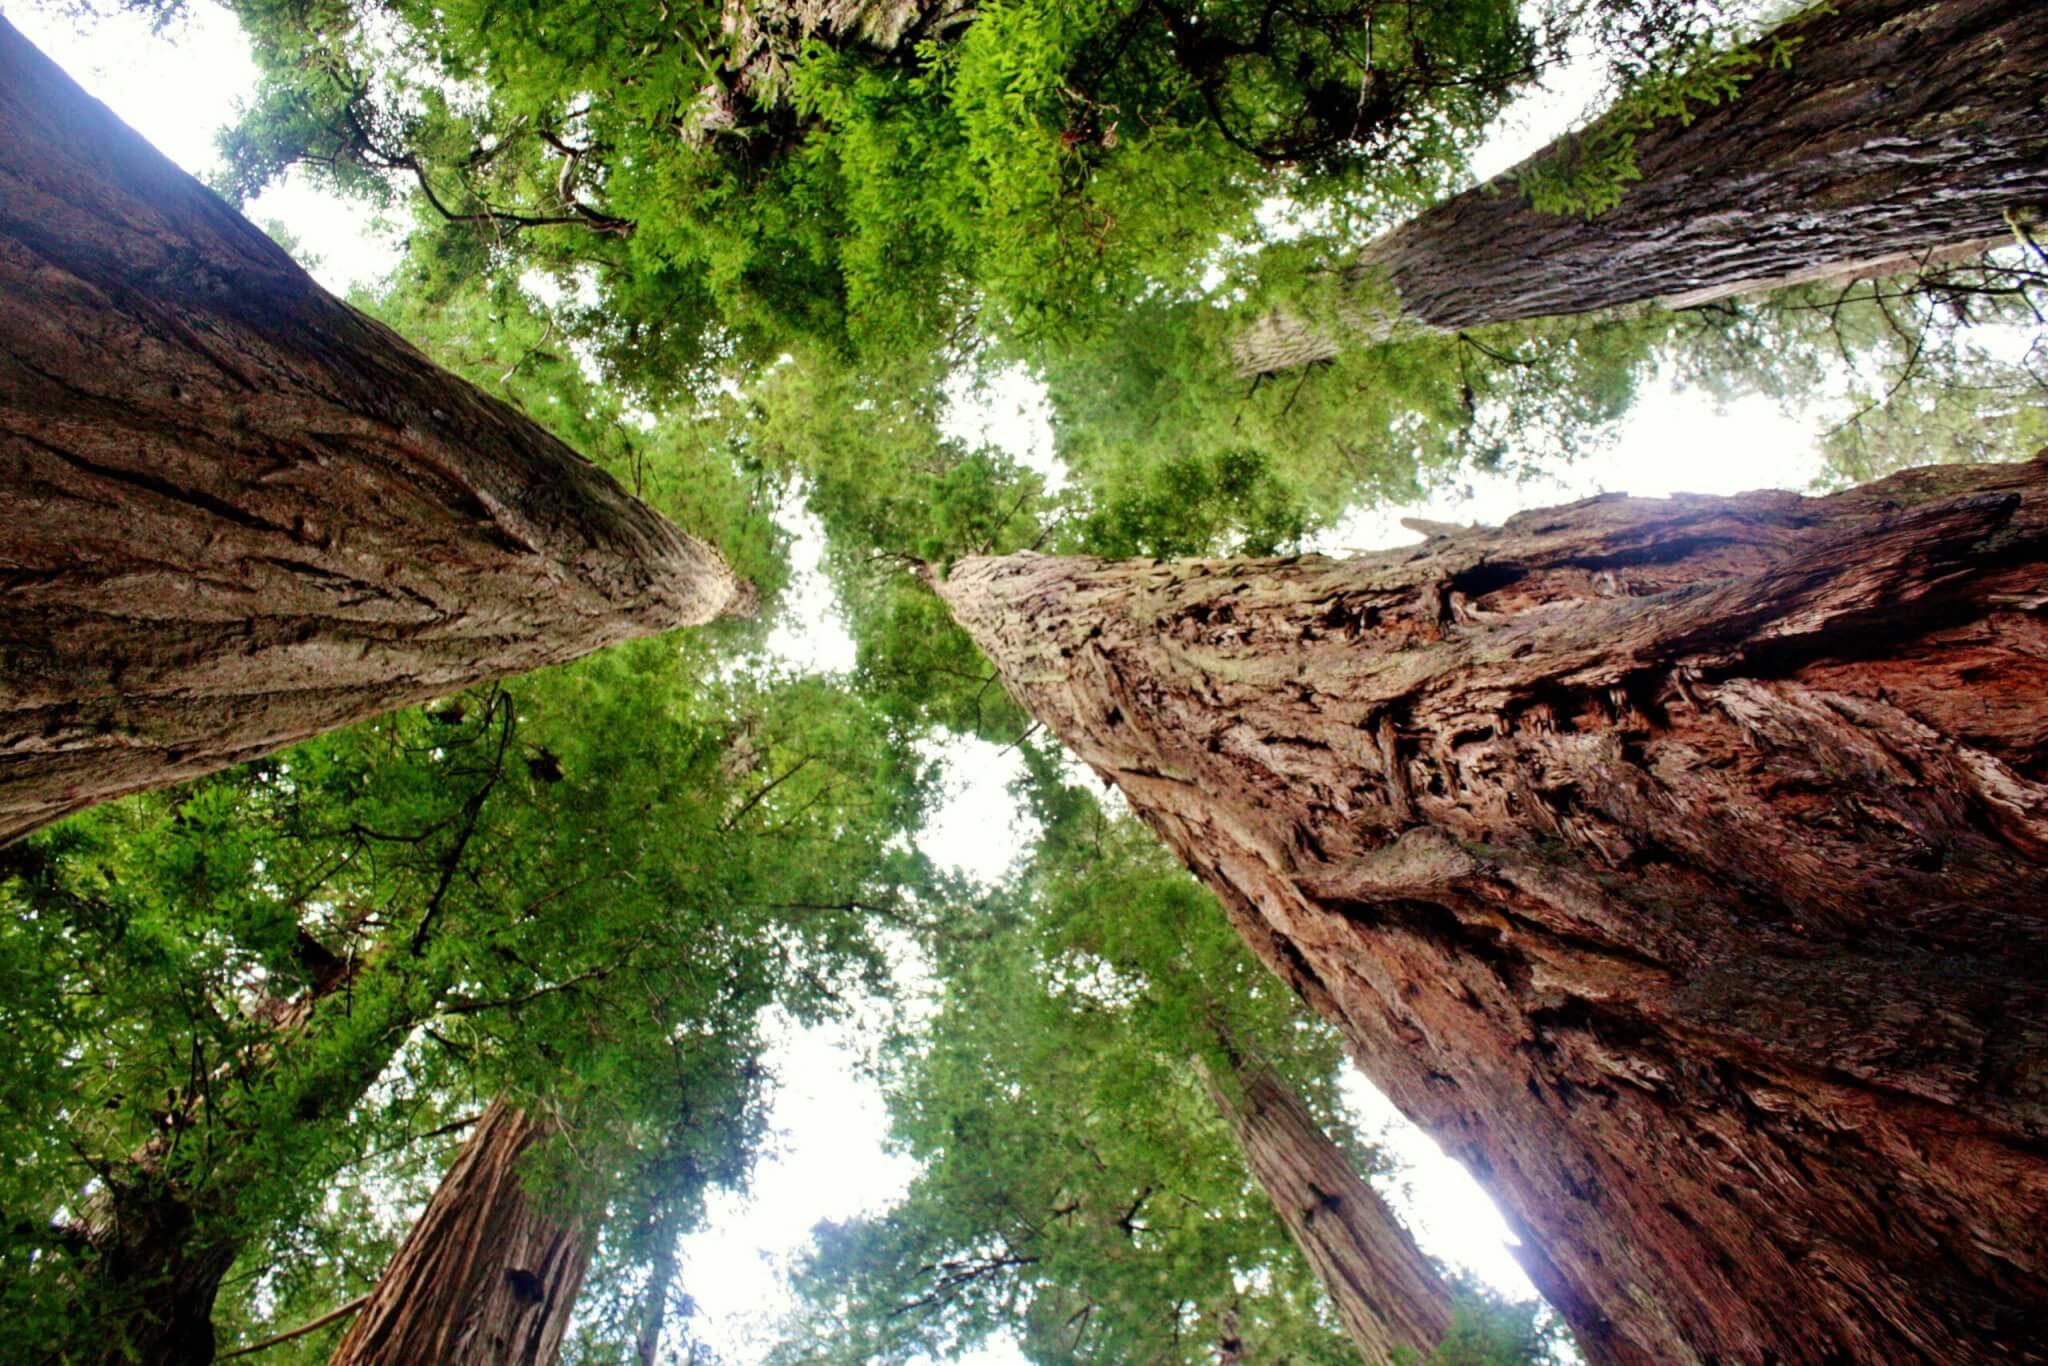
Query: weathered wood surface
pixel 1900 130
pixel 1681 865
pixel 234 512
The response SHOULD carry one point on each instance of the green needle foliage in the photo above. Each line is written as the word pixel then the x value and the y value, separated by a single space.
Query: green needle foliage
pixel 582 889
pixel 1079 1188
pixel 876 175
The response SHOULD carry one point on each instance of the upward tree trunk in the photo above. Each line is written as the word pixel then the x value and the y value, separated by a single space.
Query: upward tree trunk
pixel 1386 1293
pixel 487 1277
pixel 1900 127
pixel 1682 865
pixel 234 512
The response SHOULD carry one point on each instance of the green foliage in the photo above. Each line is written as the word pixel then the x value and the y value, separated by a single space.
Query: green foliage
pixel 1078 1186
pixel 1186 506
pixel 541 888
pixel 1487 1330
pixel 1372 425
pixel 871 183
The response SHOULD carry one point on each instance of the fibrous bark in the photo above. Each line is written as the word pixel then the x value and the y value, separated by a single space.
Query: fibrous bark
pixel 1681 865
pixel 234 512
pixel 1899 131
pixel 488 1276
pixel 1385 1291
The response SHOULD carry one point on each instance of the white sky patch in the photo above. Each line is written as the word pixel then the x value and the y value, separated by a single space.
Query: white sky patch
pixel 810 632
pixel 827 1162
pixel 1437 1199
pixel 1007 409
pixel 978 830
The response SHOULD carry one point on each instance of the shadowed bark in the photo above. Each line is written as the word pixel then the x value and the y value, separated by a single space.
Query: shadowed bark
pixel 487 1277
pixel 1386 1293
pixel 234 512
pixel 1681 865
pixel 1900 131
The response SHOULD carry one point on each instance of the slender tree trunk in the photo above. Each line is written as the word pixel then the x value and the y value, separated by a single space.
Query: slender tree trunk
pixel 661 1277
pixel 657 1235
pixel 1682 865
pixel 1899 128
pixel 488 1276
pixel 1387 1294
pixel 1229 1343
pixel 234 512
pixel 150 1252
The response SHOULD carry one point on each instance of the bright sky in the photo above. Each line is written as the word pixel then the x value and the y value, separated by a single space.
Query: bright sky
pixel 831 1161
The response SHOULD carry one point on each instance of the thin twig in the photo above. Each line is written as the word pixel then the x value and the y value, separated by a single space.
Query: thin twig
pixel 330 1316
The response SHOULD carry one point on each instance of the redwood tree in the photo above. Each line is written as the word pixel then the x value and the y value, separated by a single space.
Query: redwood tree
pixel 1385 1291
pixel 489 1274
pixel 1861 139
pixel 234 512
pixel 1680 864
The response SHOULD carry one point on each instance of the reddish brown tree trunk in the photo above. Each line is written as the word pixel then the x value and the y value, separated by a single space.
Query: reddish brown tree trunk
pixel 234 512
pixel 1900 127
pixel 488 1276
pixel 1386 1292
pixel 1682 865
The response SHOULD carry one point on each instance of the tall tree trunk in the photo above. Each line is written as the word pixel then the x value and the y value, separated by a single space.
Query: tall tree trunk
pixel 1387 1294
pixel 1899 127
pixel 234 512
pixel 1682 865
pixel 148 1248
pixel 488 1276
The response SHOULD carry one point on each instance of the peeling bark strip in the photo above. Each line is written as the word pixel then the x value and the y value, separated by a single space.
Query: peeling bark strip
pixel 1682 865
pixel 1386 1293
pixel 1900 128
pixel 234 512
pixel 486 1277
